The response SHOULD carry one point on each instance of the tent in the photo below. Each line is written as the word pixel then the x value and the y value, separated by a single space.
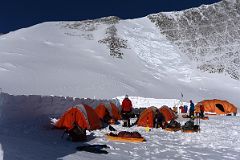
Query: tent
pixel 146 118
pixel 108 108
pixel 168 113
pixel 216 106
pixel 101 111
pixel 83 115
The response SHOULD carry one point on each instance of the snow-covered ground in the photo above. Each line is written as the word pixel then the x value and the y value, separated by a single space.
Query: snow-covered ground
pixel 66 58
pixel 26 134
pixel 141 102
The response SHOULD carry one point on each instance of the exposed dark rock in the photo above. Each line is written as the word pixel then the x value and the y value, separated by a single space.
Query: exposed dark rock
pixel 114 43
pixel 209 35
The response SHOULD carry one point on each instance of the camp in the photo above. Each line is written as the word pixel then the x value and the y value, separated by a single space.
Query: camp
pixel 108 108
pixel 82 115
pixel 216 106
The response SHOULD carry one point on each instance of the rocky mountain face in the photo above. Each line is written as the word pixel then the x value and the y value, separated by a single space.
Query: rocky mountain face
pixel 113 42
pixel 208 35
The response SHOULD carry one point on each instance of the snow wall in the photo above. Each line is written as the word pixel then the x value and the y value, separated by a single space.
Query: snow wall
pixel 22 108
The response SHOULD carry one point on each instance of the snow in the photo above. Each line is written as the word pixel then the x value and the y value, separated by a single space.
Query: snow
pixel 26 133
pixel 1 152
pixel 141 102
pixel 54 59
pixel 65 58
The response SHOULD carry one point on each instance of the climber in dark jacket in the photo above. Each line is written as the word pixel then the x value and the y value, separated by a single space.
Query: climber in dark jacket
pixel 191 111
pixel 159 120
pixel 201 111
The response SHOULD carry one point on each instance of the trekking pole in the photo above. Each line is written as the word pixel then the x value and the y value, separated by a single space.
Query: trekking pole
pixel 63 134
pixel 199 124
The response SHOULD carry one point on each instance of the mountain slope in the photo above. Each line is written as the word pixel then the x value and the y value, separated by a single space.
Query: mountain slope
pixel 105 58
pixel 208 35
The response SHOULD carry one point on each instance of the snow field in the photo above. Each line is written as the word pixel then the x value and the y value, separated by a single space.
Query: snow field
pixel 27 134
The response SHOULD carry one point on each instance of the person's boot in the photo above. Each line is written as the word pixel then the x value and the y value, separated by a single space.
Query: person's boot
pixel 128 123
pixel 124 123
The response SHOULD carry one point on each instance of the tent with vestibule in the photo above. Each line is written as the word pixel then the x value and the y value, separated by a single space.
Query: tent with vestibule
pixel 82 115
pixel 108 109
pixel 216 106
pixel 146 118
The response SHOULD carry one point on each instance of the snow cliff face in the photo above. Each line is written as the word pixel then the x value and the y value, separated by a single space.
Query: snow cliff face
pixel 208 35
pixel 108 57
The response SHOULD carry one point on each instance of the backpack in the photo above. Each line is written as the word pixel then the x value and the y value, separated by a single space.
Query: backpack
pixel 174 124
pixel 77 133
pixel 189 125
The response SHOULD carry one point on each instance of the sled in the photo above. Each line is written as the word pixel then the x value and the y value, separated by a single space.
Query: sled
pixel 172 129
pixel 211 114
pixel 190 130
pixel 202 118
pixel 95 148
pixel 185 116
pixel 125 139
pixel 196 128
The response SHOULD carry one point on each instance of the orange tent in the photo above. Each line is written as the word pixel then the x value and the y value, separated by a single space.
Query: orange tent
pixel 146 118
pixel 168 113
pixel 114 111
pixel 216 106
pixel 101 110
pixel 83 115
pixel 111 108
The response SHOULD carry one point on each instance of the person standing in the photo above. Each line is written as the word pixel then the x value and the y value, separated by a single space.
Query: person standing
pixel 175 110
pixel 126 110
pixel 181 108
pixel 185 108
pixel 159 120
pixel 201 110
pixel 191 111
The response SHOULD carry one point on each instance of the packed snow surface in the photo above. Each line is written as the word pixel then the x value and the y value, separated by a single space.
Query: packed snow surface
pixel 27 137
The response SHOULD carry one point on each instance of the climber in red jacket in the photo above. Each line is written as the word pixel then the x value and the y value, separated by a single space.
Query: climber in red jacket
pixel 126 111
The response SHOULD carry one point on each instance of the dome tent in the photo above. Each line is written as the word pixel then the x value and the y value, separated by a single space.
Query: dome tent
pixel 108 108
pixel 216 106
pixel 83 115
pixel 168 113
pixel 146 118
